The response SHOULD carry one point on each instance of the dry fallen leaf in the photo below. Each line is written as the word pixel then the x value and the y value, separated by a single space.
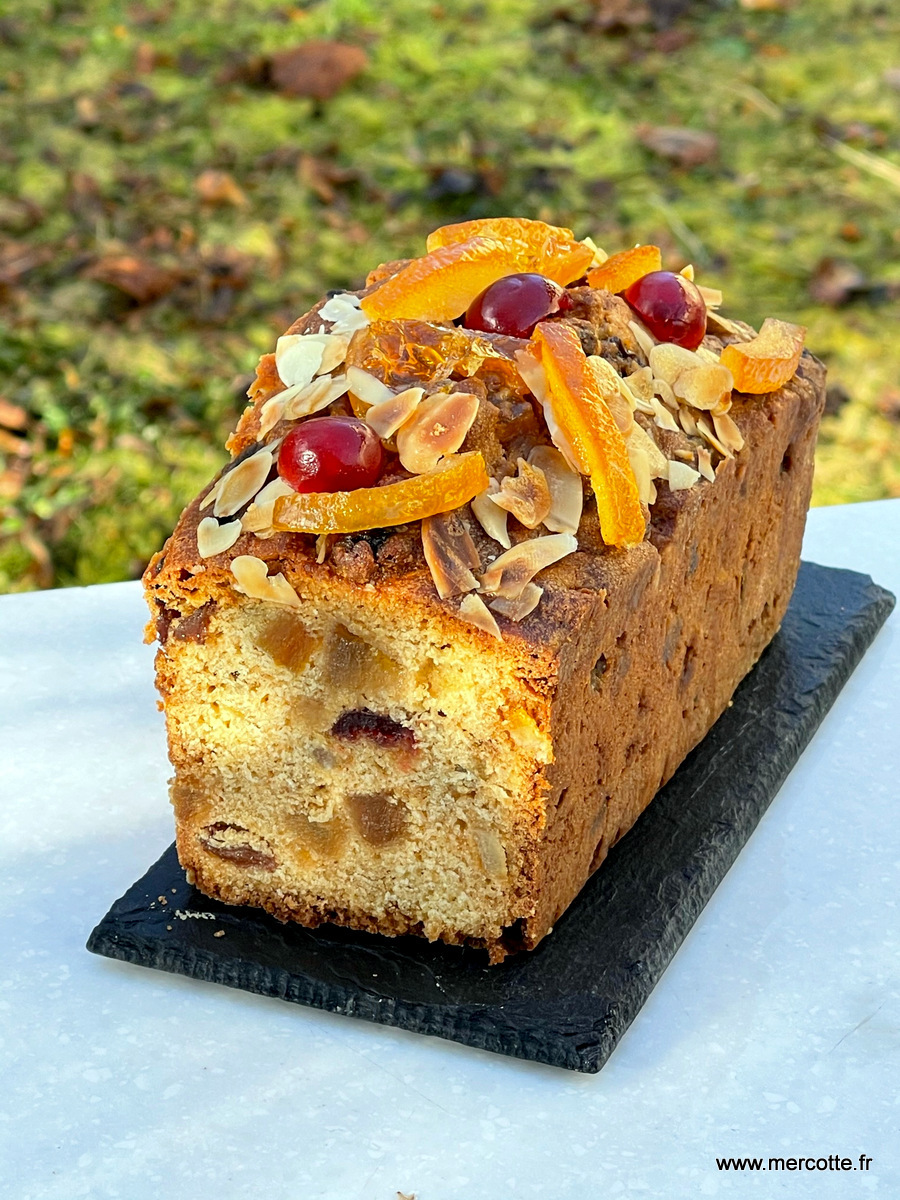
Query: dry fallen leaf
pixel 138 278
pixel 219 188
pixel 316 69
pixel 686 147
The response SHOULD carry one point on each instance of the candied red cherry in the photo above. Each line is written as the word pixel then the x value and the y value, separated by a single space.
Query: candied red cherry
pixel 331 454
pixel 514 305
pixel 670 306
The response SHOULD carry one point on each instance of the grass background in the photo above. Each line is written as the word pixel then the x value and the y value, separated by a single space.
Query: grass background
pixel 151 132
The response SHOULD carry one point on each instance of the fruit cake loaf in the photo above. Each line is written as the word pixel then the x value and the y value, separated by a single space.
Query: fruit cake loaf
pixel 501 534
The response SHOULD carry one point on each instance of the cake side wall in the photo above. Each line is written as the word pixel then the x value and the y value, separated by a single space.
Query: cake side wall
pixel 642 682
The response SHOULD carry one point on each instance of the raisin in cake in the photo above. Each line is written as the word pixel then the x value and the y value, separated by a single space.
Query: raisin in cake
pixel 426 691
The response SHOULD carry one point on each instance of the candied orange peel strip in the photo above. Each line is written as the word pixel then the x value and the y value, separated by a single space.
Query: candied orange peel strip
pixel 768 360
pixel 549 250
pixel 441 285
pixel 593 437
pixel 621 270
pixel 455 481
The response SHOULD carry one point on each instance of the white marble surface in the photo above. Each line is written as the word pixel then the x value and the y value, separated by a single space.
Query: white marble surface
pixel 775 1031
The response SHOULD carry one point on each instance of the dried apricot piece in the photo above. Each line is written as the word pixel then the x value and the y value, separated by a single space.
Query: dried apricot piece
pixel 456 480
pixel 768 360
pixel 621 270
pixel 591 433
pixel 552 249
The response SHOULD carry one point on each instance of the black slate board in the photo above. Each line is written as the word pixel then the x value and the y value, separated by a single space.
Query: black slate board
pixel 569 1001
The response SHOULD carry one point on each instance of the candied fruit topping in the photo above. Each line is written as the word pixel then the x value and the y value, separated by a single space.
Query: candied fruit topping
pixel 378 817
pixel 441 285
pixel 671 307
pixel 514 304
pixel 769 360
pixel 625 268
pixel 455 481
pixel 402 353
pixel 550 250
pixel 579 409
pixel 331 454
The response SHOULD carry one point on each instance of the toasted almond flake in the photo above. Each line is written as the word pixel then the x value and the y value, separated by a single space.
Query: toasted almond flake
pixel 387 417
pixel 474 610
pixel 706 387
pixel 704 464
pixel 687 272
pixel 708 356
pixel 663 417
pixel 665 393
pixel 316 396
pixel 212 495
pixel 344 313
pixel 642 336
pixel 252 579
pixel 366 387
pixel 260 516
pixel 518 609
pixel 298 357
pixel 535 379
pixel 438 428
pixel 566 491
pixel 322 543
pixel 450 554
pixel 712 297
pixel 600 256
pixel 242 483
pixel 526 495
pixel 335 352
pixel 213 538
pixel 491 518
pixel 681 476
pixel 640 384
pixel 270 414
pixel 652 492
pixel 637 456
pixel 669 362
pixel 707 434
pixel 655 457
pixel 716 323
pixel 688 424
pixel 508 574
pixel 727 432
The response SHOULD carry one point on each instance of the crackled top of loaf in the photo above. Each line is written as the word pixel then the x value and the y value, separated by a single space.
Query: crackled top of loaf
pixel 520 559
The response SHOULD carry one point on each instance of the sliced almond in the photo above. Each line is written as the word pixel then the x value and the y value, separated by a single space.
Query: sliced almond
pixel 450 554
pixel 366 387
pixel 508 574
pixel 640 384
pixel 526 495
pixel 242 482
pixel 703 428
pixel 315 396
pixel 252 579
pixel 669 362
pixel 712 297
pixel 438 428
pixel 474 610
pixel 642 336
pixel 323 541
pixel 600 256
pixel 270 414
pixel 681 476
pixel 213 538
pixel 687 272
pixel 299 357
pixel 388 416
pixel 344 312
pixel 566 492
pixel 704 464
pixel 640 467
pixel 687 422
pixel 665 393
pixel 656 460
pixel 663 417
pixel 260 516
pixel 716 323
pixel 535 379
pixel 727 432
pixel 491 518
pixel 706 387
pixel 518 609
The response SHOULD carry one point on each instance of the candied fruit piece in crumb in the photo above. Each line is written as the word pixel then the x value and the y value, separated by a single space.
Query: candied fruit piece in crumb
pixel 288 641
pixel 323 839
pixel 353 663
pixel 384 731
pixel 378 817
